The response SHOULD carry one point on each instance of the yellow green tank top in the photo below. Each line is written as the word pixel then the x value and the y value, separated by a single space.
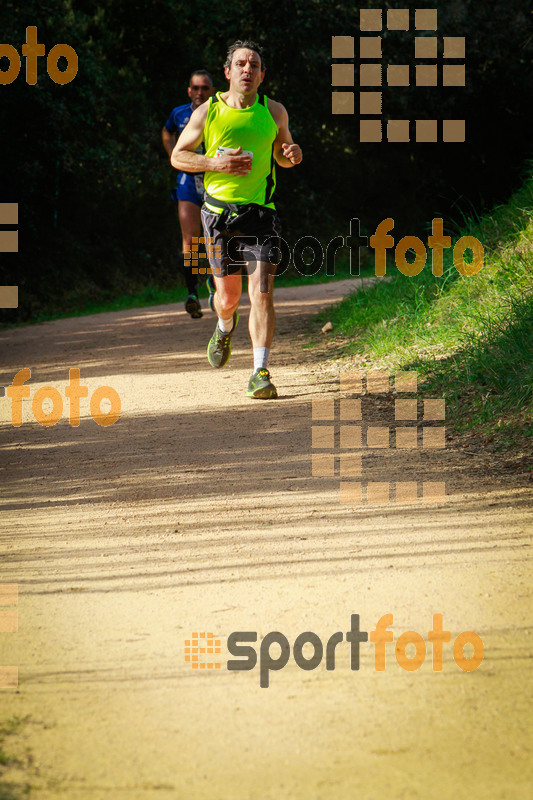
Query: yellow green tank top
pixel 252 129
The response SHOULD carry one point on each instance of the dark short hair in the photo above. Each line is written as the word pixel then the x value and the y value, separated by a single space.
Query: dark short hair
pixel 246 45
pixel 201 72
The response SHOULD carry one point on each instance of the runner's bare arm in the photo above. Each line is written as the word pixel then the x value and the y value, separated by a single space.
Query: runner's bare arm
pixel 286 152
pixel 169 140
pixel 184 158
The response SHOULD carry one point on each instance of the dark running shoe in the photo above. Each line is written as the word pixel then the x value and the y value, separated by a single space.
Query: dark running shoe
pixel 219 347
pixel 211 286
pixel 192 306
pixel 261 387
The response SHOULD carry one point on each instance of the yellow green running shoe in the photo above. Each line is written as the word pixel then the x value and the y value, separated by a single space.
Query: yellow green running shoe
pixel 260 386
pixel 219 347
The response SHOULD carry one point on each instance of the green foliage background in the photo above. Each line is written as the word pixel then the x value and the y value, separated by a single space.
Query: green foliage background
pixel 86 165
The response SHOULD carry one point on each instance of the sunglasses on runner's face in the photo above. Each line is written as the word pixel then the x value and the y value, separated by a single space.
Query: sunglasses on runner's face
pixel 200 88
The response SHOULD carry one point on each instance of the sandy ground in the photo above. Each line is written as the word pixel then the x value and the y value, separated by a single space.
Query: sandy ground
pixel 197 512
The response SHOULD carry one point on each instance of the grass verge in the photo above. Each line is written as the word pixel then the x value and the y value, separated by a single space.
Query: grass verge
pixel 469 338
pixel 13 788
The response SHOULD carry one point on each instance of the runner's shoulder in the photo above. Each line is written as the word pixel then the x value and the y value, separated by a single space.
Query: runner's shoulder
pixel 178 118
pixel 181 111
pixel 278 111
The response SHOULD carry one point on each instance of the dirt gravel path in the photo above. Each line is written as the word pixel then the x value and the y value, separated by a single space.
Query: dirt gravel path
pixel 197 512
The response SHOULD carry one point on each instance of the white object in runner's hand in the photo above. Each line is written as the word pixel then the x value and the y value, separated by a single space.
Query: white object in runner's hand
pixel 222 151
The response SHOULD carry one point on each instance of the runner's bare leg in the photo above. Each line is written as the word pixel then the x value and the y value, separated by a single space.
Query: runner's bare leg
pixel 191 225
pixel 227 295
pixel 261 292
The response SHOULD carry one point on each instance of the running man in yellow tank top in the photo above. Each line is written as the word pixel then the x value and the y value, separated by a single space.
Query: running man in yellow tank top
pixel 245 135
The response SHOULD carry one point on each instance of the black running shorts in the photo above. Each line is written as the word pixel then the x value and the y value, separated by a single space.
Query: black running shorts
pixel 228 254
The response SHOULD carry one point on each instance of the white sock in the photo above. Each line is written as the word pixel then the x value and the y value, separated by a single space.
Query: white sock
pixel 261 357
pixel 225 325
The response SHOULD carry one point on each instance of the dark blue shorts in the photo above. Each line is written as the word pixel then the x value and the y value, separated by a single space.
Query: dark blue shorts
pixel 189 187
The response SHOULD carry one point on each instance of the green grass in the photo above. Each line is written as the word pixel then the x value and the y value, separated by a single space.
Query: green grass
pixel 10 790
pixel 470 338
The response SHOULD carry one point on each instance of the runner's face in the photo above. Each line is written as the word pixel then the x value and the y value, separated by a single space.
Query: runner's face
pixel 245 73
pixel 200 90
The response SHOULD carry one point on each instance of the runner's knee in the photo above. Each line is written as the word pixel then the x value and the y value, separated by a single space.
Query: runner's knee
pixel 228 292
